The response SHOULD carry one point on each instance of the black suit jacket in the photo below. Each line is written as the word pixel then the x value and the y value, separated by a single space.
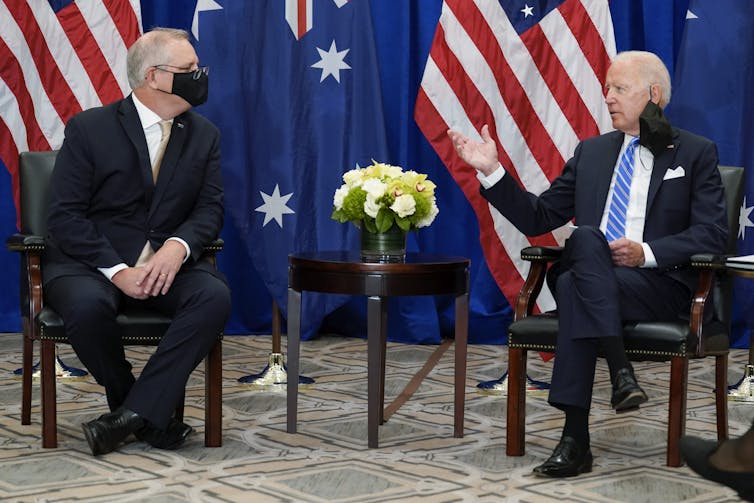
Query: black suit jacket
pixel 104 205
pixel 685 214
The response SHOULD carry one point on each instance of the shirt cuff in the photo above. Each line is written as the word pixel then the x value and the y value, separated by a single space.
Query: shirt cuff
pixel 109 272
pixel 491 179
pixel 185 245
pixel 649 257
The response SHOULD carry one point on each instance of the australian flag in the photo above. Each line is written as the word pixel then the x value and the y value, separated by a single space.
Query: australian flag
pixel 295 92
pixel 712 96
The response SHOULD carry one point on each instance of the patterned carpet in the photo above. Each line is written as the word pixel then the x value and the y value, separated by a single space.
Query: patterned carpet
pixel 327 461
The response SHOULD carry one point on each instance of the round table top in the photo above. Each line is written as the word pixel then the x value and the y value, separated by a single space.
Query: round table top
pixel 347 257
pixel 344 272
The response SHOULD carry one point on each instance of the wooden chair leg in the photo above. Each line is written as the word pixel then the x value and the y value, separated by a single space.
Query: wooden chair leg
pixel 516 413
pixel 49 407
pixel 679 372
pixel 721 396
pixel 213 407
pixel 26 369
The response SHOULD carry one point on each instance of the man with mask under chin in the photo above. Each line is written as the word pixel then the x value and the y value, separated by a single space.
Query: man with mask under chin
pixel 135 196
pixel 643 199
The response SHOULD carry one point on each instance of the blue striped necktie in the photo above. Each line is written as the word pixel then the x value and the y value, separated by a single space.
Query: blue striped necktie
pixel 616 217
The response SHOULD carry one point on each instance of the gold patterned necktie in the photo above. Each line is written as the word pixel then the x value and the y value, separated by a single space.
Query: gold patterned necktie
pixel 165 127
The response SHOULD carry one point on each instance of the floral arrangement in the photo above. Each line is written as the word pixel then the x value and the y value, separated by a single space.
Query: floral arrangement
pixel 381 195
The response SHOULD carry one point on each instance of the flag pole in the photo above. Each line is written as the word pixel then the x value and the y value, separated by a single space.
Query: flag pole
pixel 275 372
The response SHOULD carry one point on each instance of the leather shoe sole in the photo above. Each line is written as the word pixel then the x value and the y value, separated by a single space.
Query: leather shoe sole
pixel 631 401
pixel 627 394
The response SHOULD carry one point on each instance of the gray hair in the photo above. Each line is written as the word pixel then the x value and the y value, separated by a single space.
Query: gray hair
pixel 150 50
pixel 651 70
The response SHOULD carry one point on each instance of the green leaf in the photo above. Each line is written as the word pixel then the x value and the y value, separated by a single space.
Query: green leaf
pixel 403 223
pixel 370 226
pixel 384 220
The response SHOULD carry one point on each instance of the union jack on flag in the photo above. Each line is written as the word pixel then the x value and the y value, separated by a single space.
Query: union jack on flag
pixel 533 71
pixel 300 17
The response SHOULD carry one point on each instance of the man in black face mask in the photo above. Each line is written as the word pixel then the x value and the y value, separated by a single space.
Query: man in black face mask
pixel 135 196
pixel 643 199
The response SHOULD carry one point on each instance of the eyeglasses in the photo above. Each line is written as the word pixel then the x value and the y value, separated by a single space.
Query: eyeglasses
pixel 195 74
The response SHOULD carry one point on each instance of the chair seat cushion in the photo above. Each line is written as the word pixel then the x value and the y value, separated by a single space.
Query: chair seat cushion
pixel 138 326
pixel 656 341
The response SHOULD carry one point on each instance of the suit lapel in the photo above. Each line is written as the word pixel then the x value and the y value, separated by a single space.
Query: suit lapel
pixel 178 134
pixel 129 119
pixel 661 164
pixel 603 173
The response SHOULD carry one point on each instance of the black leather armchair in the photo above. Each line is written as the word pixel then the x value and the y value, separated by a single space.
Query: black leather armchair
pixel 40 323
pixel 676 342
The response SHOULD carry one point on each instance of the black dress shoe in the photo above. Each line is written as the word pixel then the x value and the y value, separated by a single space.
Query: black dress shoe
pixel 627 395
pixel 567 460
pixel 697 452
pixel 170 438
pixel 106 432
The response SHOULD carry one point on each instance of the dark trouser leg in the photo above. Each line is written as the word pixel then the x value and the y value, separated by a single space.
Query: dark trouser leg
pixel 200 304
pixel 88 306
pixel 594 298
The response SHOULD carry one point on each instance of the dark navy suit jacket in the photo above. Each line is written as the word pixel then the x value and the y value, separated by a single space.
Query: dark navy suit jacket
pixel 104 205
pixel 685 214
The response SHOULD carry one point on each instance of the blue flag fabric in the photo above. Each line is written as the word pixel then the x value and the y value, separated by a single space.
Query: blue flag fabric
pixel 712 96
pixel 298 104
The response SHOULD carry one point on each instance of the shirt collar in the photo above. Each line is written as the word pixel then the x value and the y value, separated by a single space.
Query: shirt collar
pixel 146 116
pixel 627 138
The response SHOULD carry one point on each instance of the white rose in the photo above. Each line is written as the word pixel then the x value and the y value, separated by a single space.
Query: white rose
pixel 352 178
pixel 404 205
pixel 433 211
pixel 340 194
pixel 374 188
pixel 392 171
pixel 371 207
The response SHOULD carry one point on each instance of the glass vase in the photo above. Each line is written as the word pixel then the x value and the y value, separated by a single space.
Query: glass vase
pixel 385 247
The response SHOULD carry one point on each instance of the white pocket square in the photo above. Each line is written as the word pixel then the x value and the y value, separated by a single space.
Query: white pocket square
pixel 678 172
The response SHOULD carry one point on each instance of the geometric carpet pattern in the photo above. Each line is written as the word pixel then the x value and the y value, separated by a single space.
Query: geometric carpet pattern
pixel 418 460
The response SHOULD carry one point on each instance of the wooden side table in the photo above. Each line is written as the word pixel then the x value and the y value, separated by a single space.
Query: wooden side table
pixel 342 272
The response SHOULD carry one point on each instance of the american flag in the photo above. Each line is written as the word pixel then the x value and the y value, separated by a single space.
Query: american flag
pixel 56 59
pixel 535 72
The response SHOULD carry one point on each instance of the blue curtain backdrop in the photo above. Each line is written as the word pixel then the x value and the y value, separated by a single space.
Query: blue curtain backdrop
pixel 402 32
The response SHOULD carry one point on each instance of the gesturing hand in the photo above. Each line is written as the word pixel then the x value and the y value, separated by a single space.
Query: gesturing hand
pixel 481 156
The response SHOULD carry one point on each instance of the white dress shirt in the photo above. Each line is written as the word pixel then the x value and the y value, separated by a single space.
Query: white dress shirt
pixel 150 122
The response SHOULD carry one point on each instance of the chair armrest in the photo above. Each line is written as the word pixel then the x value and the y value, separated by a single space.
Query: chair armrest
pixel 211 250
pixel 701 260
pixel 215 246
pixel 542 253
pixel 709 267
pixel 25 243
pixel 540 257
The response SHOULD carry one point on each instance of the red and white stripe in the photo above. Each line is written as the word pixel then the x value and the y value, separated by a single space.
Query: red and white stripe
pixel 300 16
pixel 55 65
pixel 540 93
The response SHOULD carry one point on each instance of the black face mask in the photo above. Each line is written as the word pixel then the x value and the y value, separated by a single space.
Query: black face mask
pixel 654 129
pixel 191 86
